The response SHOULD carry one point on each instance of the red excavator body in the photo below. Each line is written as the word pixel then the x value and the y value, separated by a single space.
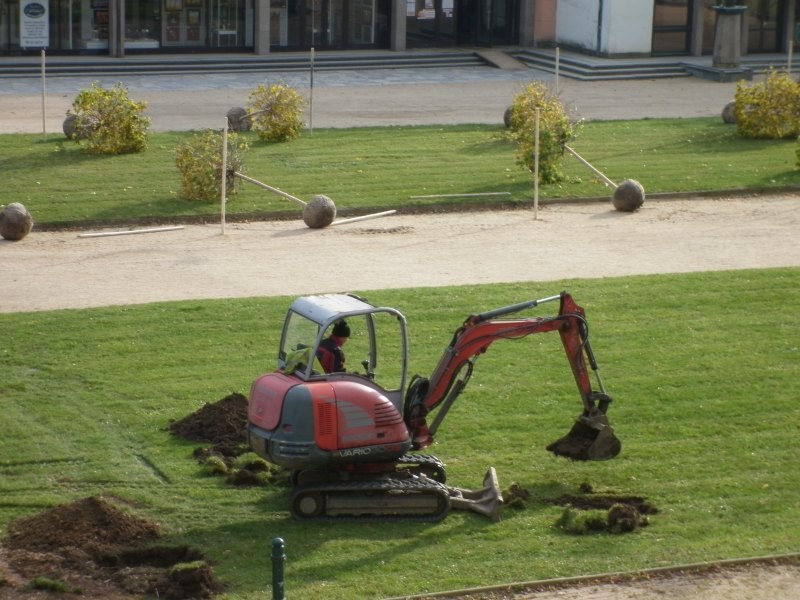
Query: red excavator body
pixel 348 435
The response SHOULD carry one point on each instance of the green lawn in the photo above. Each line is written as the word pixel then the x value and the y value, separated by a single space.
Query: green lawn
pixel 380 168
pixel 704 370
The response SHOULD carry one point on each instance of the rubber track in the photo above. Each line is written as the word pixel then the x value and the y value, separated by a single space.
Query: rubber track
pixel 410 486
pixel 422 460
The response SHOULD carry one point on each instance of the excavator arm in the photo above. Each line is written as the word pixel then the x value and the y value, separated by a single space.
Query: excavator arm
pixel 591 437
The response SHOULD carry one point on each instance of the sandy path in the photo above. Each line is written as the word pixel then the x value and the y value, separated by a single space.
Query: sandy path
pixel 52 270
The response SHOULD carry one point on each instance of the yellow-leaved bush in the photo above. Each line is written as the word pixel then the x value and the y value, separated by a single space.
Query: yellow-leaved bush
pixel 276 112
pixel 555 130
pixel 768 109
pixel 107 121
pixel 199 161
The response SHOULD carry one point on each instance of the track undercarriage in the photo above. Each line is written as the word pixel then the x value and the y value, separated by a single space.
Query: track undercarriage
pixel 412 490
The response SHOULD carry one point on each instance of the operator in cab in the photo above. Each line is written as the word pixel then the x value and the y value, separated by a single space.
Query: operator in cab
pixel 330 353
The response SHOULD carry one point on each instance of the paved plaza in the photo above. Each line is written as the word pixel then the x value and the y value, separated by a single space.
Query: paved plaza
pixel 369 97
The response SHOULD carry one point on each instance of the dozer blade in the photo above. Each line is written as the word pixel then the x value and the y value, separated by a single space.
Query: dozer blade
pixel 486 501
pixel 591 438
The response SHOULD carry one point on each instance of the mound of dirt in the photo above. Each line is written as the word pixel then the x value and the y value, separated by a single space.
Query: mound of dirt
pixel 223 423
pixel 97 550
pixel 87 524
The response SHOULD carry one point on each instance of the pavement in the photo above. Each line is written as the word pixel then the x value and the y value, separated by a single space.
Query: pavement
pixel 352 98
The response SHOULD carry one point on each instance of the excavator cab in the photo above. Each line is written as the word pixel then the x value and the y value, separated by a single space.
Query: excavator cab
pixel 376 349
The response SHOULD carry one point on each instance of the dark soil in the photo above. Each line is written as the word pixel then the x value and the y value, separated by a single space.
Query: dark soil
pixel 588 511
pixel 222 423
pixel 605 502
pixel 94 549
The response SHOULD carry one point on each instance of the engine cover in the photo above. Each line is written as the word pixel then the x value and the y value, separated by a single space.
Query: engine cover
pixel 303 425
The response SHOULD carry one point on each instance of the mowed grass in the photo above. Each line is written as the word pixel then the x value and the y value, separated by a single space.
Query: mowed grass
pixel 380 168
pixel 703 367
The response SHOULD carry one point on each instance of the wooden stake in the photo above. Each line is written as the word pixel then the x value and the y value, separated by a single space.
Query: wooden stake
pixel 311 96
pixel 44 99
pixel 129 232
pixel 471 195
pixel 536 168
pixel 558 69
pixel 270 188
pixel 605 179
pixel 224 178
pixel 364 217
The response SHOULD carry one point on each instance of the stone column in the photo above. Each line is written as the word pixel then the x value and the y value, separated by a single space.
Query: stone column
pixel 397 37
pixel 261 41
pixel 728 36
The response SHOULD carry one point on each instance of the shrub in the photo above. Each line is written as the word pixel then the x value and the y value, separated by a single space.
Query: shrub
pixel 199 161
pixel 276 112
pixel 109 122
pixel 555 130
pixel 769 109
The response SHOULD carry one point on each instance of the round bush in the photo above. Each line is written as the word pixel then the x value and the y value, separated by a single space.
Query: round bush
pixel 199 161
pixel 769 109
pixel 555 130
pixel 276 112
pixel 108 121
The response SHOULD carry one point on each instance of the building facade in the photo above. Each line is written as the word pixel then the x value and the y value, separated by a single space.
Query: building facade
pixel 599 27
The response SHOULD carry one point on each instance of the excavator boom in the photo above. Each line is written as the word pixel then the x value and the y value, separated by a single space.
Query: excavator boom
pixel 591 437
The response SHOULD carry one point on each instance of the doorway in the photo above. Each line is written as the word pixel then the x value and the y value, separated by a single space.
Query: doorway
pixel 497 23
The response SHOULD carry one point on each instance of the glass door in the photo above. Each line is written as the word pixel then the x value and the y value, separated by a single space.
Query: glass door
pixel 764 24
pixel 671 26
pixel 496 22
pixel 227 19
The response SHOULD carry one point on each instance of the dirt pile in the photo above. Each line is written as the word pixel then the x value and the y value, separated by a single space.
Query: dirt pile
pixel 589 512
pixel 96 549
pixel 224 424
pixel 592 512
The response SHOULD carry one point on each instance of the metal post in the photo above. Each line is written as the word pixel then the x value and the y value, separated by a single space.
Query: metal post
pixel 278 558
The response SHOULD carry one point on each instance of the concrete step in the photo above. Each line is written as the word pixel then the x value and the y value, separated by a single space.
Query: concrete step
pixel 73 66
pixel 589 69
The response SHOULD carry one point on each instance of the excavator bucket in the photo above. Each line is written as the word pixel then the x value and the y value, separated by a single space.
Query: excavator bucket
pixel 486 501
pixel 591 438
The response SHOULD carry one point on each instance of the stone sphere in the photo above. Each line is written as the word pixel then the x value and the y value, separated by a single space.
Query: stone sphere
pixel 319 212
pixel 238 119
pixel 15 222
pixel 71 130
pixel 628 196
pixel 729 113
pixel 507 116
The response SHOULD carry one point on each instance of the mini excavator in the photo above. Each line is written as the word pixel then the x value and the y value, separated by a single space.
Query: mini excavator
pixel 350 437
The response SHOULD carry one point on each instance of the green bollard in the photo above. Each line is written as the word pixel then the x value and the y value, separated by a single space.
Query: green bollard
pixel 278 558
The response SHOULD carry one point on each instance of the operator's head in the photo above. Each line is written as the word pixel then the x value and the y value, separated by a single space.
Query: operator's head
pixel 341 329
